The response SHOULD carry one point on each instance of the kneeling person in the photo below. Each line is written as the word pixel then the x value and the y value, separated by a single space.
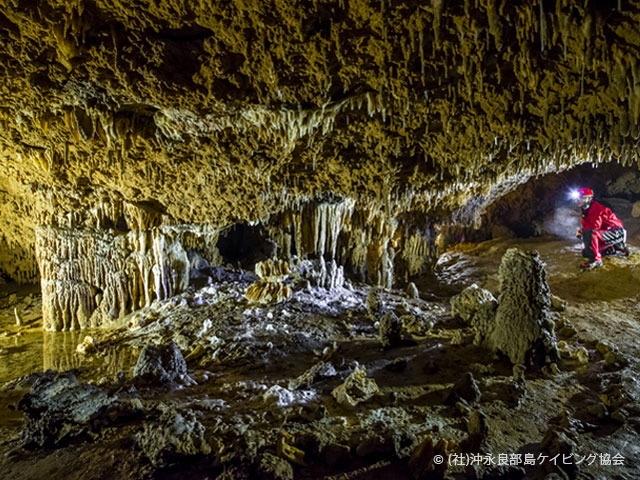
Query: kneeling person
pixel 602 231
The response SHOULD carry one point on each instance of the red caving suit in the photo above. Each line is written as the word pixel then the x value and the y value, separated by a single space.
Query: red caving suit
pixel 596 220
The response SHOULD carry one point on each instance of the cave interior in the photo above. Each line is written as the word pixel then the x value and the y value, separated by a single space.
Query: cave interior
pixel 308 239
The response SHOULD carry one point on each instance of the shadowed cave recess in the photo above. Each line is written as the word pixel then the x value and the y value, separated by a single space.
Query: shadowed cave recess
pixel 316 240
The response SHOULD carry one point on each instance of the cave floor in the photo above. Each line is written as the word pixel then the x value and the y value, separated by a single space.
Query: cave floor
pixel 243 360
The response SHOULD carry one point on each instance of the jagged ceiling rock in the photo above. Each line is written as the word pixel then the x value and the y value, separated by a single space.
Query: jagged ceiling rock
pixel 219 112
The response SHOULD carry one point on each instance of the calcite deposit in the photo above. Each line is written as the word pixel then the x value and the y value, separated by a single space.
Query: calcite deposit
pixel 519 324
pixel 523 328
pixel 302 388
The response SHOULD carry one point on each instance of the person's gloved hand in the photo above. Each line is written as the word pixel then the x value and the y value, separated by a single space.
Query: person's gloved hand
pixel 579 234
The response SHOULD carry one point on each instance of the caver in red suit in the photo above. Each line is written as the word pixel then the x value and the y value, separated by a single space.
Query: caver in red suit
pixel 602 231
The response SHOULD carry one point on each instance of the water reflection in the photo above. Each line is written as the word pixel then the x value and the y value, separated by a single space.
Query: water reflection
pixel 37 351
pixel 20 355
pixel 59 350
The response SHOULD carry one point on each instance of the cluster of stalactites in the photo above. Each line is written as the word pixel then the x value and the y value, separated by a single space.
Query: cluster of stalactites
pixel 285 126
pixel 118 131
pixel 272 269
pixel 92 277
pixel 418 251
pixel 17 261
pixel 370 242
pixel 105 213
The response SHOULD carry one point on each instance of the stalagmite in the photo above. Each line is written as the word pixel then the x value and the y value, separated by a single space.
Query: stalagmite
pixel 271 287
pixel 522 328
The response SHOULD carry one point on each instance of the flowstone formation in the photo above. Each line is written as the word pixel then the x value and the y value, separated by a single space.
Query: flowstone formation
pixel 270 287
pixel 95 269
pixel 90 278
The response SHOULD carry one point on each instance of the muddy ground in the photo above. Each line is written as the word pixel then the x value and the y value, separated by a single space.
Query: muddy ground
pixel 256 395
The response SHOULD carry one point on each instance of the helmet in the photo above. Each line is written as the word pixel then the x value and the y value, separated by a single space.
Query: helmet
pixel 585 192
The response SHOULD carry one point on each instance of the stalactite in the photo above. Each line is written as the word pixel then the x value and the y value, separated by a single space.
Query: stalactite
pixel 418 252
pixel 543 27
pixel 272 269
pixel 268 292
pixel 346 233
pixel 495 25
pixel 438 6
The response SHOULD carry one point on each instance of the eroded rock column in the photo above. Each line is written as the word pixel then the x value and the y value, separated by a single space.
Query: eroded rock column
pixel 523 328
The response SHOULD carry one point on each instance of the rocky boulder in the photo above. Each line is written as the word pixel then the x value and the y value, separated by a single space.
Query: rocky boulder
pixel 173 437
pixel 59 408
pixel 162 366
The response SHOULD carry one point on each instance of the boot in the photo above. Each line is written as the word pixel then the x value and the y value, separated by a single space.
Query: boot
pixel 624 250
pixel 591 265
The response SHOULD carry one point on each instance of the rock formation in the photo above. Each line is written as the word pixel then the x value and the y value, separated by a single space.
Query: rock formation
pixel 477 307
pixel 59 409
pixel 175 436
pixel 356 388
pixel 390 330
pixel 161 366
pixel 519 324
pixel 155 154
pixel 523 329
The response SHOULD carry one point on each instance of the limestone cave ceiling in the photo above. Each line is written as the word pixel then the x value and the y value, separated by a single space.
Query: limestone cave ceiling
pixel 213 113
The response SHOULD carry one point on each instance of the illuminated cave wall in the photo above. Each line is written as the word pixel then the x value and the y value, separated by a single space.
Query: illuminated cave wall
pixel 91 277
pixel 96 270
pixel 375 248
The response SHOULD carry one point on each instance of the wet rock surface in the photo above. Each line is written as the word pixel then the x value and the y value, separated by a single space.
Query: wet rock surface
pixel 59 408
pixel 161 365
